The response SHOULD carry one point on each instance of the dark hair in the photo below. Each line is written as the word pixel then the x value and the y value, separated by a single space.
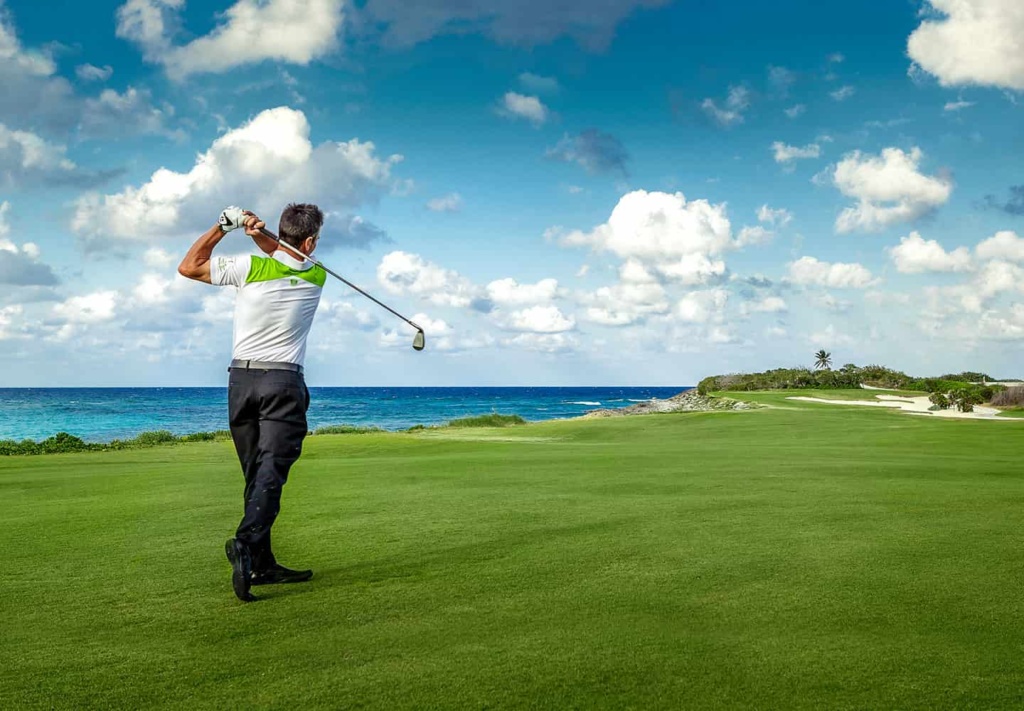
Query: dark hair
pixel 299 221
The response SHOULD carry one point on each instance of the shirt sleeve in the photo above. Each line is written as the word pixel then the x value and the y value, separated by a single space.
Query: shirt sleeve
pixel 229 271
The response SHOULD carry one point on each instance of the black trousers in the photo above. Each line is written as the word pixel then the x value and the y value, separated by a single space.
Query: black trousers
pixel 267 413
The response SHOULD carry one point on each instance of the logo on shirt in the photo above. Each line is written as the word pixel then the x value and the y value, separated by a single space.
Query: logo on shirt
pixel 294 281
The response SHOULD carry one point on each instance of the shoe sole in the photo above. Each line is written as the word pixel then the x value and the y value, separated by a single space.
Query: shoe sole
pixel 241 571
pixel 284 581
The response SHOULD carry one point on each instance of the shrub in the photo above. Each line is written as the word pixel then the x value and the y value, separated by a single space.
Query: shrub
pixel 345 429
pixel 1010 397
pixel 939 400
pixel 491 420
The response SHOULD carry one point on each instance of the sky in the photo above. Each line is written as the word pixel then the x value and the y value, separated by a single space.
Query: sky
pixel 630 192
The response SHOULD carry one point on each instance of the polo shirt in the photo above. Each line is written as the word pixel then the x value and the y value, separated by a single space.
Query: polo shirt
pixel 277 299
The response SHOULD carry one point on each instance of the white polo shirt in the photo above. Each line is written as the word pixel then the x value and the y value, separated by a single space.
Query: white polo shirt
pixel 277 298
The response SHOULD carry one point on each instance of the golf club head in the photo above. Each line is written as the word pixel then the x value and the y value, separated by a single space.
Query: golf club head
pixel 419 341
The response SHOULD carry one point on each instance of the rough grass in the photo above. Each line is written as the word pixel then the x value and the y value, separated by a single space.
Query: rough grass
pixel 800 558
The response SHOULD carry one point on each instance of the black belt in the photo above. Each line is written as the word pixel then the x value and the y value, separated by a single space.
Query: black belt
pixel 264 365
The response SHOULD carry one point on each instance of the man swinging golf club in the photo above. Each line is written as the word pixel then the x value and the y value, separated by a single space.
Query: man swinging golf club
pixel 277 297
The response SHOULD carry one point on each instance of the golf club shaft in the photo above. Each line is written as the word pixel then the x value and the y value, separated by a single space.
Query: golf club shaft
pixel 318 263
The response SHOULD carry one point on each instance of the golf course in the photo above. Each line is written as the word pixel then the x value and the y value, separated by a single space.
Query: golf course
pixel 800 555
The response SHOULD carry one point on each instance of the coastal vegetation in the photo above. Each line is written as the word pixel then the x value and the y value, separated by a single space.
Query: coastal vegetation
pixel 797 557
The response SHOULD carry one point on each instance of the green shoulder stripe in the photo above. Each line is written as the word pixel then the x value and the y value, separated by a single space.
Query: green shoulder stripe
pixel 268 269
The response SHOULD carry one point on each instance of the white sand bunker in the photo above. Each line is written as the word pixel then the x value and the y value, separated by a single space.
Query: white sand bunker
pixel 917 406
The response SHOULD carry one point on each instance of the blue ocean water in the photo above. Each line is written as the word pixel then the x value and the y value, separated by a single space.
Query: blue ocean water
pixel 103 414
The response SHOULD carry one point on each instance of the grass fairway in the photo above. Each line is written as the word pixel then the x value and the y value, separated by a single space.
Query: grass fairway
pixel 809 557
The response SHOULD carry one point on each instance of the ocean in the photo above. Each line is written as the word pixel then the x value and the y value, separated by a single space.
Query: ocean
pixel 103 414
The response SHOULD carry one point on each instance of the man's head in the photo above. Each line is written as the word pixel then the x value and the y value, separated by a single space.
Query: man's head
pixel 300 226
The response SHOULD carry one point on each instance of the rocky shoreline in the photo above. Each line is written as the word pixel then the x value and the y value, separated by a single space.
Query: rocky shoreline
pixel 686 401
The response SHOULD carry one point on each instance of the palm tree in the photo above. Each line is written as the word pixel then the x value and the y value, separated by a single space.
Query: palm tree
pixel 822 359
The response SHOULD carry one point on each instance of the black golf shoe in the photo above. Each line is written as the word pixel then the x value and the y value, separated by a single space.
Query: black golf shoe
pixel 280 574
pixel 241 569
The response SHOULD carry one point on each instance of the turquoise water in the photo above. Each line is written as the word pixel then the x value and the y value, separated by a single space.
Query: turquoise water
pixel 103 414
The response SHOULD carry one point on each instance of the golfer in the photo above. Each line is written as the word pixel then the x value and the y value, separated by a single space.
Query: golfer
pixel 277 297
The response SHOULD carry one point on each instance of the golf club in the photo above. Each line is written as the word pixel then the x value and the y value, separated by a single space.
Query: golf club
pixel 418 342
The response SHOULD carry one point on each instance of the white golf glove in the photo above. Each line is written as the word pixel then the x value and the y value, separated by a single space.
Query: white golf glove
pixel 232 218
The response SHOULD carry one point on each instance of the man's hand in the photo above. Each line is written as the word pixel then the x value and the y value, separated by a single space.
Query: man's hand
pixel 231 218
pixel 252 224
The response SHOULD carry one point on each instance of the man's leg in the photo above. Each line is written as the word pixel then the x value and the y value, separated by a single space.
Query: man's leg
pixel 283 402
pixel 243 418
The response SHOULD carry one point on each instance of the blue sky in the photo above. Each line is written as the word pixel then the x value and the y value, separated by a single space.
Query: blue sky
pixel 642 192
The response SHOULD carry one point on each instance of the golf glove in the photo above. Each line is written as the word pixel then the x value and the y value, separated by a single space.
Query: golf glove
pixel 231 218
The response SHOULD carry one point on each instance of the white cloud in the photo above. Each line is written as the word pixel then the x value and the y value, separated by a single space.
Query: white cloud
pixel 90 72
pixel 835 58
pixel 262 165
pixel 508 292
pixel 250 31
pixel 753 235
pixel 539 319
pixel 624 304
pixel 831 303
pixel 27 156
pixel 538 84
pixel 889 189
pixel 524 22
pixel 20 265
pixel 702 306
pixel 780 217
pixel 957 105
pixel 1002 245
pixel 767 305
pixel 843 93
pixel 527 107
pixel 449 203
pixel 91 308
pixel 731 114
pixel 808 271
pixel 543 342
pixel 158 258
pixel 659 226
pixel 402 273
pixel 972 42
pixel 916 255
pixel 796 110
pixel 110 112
pixel 693 269
pixel 830 338
pixel 785 153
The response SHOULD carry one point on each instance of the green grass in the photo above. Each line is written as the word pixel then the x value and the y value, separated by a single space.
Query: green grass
pixel 809 557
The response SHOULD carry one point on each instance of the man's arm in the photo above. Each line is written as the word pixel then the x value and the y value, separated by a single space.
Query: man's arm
pixel 252 228
pixel 196 264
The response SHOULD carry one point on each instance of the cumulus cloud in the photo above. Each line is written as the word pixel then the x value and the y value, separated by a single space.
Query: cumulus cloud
pixel 916 255
pixel 702 306
pixel 543 342
pixel 109 113
pixel 90 72
pixel 786 154
pixel 261 165
pixel 965 42
pixel 404 273
pixel 767 305
pixel 597 152
pixel 731 113
pixel 20 265
pixel 509 292
pixel 527 107
pixel 843 93
pixel 538 84
pixel 538 319
pixel 626 303
pixel 753 235
pixel 889 189
pixel 808 271
pixel 659 226
pixel 1006 245
pixel 452 202
pixel 250 31
pixel 526 22
pixel 796 111
pixel 776 218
